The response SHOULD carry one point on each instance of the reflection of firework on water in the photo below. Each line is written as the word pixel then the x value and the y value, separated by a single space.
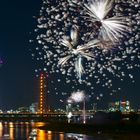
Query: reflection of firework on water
pixel 56 21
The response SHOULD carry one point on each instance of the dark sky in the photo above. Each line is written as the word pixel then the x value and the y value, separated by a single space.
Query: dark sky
pixel 17 79
pixel 18 84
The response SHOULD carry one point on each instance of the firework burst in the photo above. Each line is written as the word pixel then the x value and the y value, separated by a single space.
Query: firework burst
pixel 111 28
pixel 77 51
pixel 78 96
pixel 63 55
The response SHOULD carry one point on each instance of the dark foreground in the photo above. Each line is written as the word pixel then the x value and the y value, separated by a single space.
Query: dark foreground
pixel 119 128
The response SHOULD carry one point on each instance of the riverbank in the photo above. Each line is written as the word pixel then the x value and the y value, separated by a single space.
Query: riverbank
pixel 95 129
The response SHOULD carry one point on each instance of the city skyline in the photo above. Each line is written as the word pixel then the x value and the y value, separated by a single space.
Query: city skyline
pixel 19 85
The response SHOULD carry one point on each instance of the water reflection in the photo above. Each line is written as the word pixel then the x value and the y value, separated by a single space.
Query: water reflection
pixel 61 136
pixel 11 130
pixel 23 130
pixel 1 128
pixel 41 135
pixel 49 135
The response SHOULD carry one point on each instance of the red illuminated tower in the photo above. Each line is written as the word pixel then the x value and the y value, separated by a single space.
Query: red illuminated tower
pixel 42 94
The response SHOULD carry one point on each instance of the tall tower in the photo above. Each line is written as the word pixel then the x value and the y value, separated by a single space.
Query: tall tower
pixel 42 94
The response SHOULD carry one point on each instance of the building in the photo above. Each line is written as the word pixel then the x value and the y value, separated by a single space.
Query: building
pixel 114 106
pixel 24 110
pixel 69 108
pixel 33 108
pixel 123 106
pixel 94 107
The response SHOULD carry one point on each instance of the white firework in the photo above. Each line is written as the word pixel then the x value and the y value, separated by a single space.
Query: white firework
pixel 78 96
pixel 53 22
pixel 111 28
pixel 77 51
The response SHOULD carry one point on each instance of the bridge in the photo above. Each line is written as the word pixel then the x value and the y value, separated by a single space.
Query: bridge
pixel 30 117
pixel 46 116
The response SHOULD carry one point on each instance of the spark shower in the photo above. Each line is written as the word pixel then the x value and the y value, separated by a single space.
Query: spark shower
pixel 88 44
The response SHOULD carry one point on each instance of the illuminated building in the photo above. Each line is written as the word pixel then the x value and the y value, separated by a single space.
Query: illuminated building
pixel 114 106
pixel 22 110
pixel 69 107
pixel 33 108
pixel 123 106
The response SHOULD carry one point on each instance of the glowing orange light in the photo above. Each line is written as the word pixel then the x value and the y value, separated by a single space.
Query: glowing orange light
pixel 41 106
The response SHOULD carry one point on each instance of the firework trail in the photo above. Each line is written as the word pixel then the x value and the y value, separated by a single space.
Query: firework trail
pixel 63 26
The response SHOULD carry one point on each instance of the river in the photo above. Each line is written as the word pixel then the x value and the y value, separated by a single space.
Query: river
pixel 22 131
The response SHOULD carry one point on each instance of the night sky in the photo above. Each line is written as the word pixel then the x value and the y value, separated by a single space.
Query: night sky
pixel 17 79
pixel 18 83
